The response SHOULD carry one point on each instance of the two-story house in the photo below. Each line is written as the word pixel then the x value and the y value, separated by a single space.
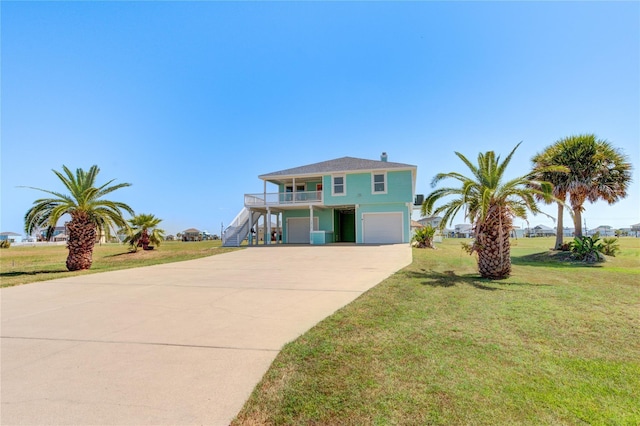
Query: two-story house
pixel 343 200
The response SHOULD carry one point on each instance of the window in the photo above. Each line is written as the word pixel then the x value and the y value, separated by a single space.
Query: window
pixel 338 186
pixel 379 183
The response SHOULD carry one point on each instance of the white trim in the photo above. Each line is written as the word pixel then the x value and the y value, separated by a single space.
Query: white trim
pixel 344 185
pixel 373 182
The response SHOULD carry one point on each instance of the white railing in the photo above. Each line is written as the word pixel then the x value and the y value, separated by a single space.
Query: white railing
pixel 282 198
pixel 237 230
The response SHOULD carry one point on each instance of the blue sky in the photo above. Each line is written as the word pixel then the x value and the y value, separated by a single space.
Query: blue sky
pixel 191 101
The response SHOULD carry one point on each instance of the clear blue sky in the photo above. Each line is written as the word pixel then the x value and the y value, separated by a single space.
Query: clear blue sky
pixel 191 101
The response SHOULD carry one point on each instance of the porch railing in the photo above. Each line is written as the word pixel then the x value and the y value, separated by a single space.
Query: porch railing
pixel 282 198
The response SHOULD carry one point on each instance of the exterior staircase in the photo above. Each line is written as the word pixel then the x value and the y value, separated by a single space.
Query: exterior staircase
pixel 238 230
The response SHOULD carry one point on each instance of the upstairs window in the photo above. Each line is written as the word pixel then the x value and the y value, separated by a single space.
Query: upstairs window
pixel 338 185
pixel 379 183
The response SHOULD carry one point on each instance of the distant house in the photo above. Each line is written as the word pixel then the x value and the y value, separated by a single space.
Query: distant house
pixel 517 232
pixel 434 221
pixel 170 238
pixel 56 231
pixel 568 232
pixel 603 231
pixel 635 229
pixel 541 231
pixel 12 237
pixel 60 238
pixel 191 234
pixel 463 230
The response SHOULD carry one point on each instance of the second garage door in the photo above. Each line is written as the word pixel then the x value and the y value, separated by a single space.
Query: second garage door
pixel 382 228
pixel 298 229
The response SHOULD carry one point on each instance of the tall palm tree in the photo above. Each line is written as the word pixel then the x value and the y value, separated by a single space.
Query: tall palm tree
pixel 91 215
pixel 596 171
pixel 143 231
pixel 490 205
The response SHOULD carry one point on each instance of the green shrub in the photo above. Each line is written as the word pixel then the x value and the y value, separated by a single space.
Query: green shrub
pixel 587 249
pixel 423 237
pixel 5 244
pixel 610 246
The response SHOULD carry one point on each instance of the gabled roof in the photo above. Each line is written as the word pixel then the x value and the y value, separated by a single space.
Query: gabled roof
pixel 191 231
pixel 10 234
pixel 344 164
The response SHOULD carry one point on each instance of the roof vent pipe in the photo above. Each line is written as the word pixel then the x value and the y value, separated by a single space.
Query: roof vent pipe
pixel 383 157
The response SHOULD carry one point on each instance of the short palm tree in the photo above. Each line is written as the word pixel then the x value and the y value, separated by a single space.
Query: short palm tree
pixel 595 171
pixel 91 215
pixel 143 230
pixel 490 205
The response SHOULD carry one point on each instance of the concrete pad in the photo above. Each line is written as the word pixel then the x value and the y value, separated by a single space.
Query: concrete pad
pixel 181 343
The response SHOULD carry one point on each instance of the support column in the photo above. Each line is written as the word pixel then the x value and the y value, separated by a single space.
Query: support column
pixel 278 229
pixel 310 224
pixel 268 225
pixel 293 191
pixel 250 235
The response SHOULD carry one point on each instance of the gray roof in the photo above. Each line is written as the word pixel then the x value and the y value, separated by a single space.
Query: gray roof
pixel 9 234
pixel 344 164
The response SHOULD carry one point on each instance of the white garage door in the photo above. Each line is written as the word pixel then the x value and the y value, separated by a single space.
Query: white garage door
pixel 298 229
pixel 382 228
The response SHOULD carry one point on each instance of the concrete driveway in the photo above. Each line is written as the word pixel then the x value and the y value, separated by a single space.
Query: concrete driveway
pixel 182 343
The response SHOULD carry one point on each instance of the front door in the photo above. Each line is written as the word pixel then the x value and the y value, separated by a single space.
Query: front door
pixel 346 226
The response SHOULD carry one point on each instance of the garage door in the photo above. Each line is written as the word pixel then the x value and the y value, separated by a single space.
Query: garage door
pixel 298 229
pixel 382 228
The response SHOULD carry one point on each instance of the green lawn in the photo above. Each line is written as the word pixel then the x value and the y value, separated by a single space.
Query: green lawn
pixel 557 343
pixel 25 264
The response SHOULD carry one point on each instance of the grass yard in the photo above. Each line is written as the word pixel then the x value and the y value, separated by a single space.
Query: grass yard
pixel 26 264
pixel 557 343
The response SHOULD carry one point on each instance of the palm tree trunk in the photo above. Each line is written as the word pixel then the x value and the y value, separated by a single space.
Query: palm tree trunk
pixel 82 239
pixel 560 227
pixel 577 221
pixel 493 246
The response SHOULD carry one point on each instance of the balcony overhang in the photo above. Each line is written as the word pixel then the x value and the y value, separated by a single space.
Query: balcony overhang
pixel 284 200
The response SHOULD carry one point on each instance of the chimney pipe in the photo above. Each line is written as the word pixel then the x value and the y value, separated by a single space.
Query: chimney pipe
pixel 383 157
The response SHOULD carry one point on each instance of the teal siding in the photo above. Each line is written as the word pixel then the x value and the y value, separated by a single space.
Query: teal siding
pixel 384 208
pixel 359 191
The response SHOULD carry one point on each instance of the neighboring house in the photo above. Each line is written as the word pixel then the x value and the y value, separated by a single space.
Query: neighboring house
pixel 635 229
pixel 517 232
pixel 603 231
pixel 60 238
pixel 541 231
pixel 56 231
pixel 191 234
pixel 12 237
pixel 415 225
pixel 434 221
pixel 343 200
pixel 463 230
pixel 568 232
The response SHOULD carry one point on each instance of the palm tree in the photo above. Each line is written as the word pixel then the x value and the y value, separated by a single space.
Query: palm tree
pixel 542 161
pixel 91 215
pixel 144 230
pixel 490 205
pixel 596 171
